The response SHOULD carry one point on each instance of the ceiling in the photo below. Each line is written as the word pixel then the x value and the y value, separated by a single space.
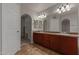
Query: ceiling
pixel 37 7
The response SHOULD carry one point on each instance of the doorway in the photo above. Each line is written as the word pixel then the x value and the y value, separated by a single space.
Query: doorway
pixel 26 26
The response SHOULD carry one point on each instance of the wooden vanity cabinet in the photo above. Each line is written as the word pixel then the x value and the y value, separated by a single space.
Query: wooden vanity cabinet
pixel 59 43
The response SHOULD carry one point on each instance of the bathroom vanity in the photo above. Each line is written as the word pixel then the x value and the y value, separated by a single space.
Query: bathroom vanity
pixel 60 42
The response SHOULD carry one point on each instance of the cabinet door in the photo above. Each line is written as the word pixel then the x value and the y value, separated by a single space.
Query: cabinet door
pixel 69 45
pixel 35 37
pixel 43 40
pixel 40 37
pixel 46 40
pixel 55 43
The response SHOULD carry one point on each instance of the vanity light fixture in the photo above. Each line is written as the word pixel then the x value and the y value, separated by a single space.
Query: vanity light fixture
pixel 42 16
pixel 63 8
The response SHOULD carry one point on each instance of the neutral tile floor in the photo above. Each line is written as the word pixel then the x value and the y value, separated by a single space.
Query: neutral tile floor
pixel 34 49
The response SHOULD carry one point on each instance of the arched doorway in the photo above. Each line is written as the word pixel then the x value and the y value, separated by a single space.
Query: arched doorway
pixel 66 25
pixel 26 25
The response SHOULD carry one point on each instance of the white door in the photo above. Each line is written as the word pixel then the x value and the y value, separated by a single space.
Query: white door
pixel 10 28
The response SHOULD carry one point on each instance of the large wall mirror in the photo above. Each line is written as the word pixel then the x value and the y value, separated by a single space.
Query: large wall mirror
pixel 66 26
pixel 38 25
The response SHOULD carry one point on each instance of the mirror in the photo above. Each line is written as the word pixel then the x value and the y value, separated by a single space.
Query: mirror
pixel 66 26
pixel 38 25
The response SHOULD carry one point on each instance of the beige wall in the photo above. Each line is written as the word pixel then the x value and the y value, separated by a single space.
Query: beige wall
pixel 0 28
pixel 52 24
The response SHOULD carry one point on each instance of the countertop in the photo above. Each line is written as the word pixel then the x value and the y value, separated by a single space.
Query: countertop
pixel 64 34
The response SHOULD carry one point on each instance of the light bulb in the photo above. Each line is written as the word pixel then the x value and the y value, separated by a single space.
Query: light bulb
pixel 39 16
pixel 42 16
pixel 62 8
pixel 67 7
pixel 58 10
